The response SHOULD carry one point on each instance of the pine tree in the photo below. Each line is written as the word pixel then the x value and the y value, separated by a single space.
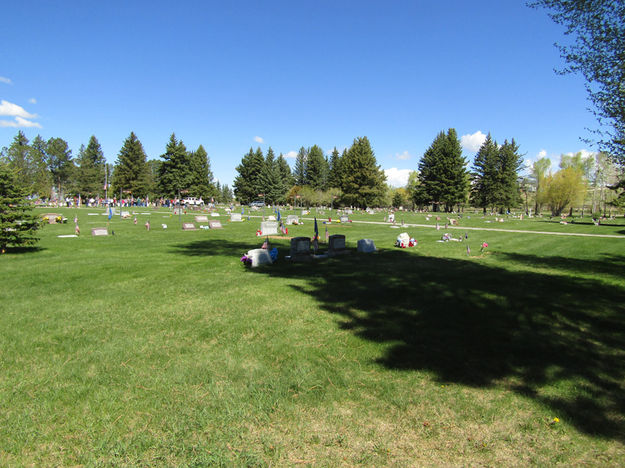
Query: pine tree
pixel 299 171
pixel 247 184
pixel 485 174
pixel 334 170
pixel 175 171
pixel 60 163
pixel 442 174
pixel 286 177
pixel 270 183
pixel 42 182
pixel 131 169
pixel 18 157
pixel 363 181
pixel 201 177
pixel 90 168
pixel 18 223
pixel 509 162
pixel 316 169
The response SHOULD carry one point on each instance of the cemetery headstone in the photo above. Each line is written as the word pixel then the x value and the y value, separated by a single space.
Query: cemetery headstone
pixel 236 217
pixel 366 246
pixel 268 228
pixel 215 225
pixel 292 219
pixel 259 257
pixel 99 232
pixel 344 219
pixel 336 245
pixel 201 219
pixel 51 217
pixel 188 227
pixel 214 214
pixel 300 249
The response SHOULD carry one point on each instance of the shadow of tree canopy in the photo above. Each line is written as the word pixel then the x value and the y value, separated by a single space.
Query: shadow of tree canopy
pixel 612 265
pixel 480 325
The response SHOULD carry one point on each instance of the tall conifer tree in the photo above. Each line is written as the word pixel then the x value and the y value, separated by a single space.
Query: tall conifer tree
pixel 363 181
pixel 131 169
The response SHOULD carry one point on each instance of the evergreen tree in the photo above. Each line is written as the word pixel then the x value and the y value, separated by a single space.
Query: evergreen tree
pixel 131 169
pixel 363 181
pixel 174 176
pixel 60 163
pixel 485 174
pixel 90 168
pixel 286 177
pixel 226 194
pixel 316 169
pixel 509 163
pixel 334 170
pixel 42 182
pixel 442 173
pixel 201 177
pixel 18 223
pixel 19 157
pixel 247 183
pixel 299 171
pixel 270 183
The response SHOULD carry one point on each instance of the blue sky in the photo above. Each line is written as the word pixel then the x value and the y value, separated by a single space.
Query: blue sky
pixel 231 75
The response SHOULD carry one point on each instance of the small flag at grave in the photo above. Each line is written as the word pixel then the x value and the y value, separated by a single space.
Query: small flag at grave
pixel 468 250
pixel 327 235
pixel 110 212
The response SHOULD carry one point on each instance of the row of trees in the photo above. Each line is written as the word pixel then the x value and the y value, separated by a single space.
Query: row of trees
pixel 47 167
pixel 353 178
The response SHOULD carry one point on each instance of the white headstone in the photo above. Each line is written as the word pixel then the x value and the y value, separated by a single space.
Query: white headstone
pixel 271 218
pixel 366 246
pixel 214 214
pixel 99 232
pixel 235 216
pixel 268 228
pixel 215 225
pixel 344 219
pixel 259 257
pixel 201 219
pixel 188 227
pixel 292 219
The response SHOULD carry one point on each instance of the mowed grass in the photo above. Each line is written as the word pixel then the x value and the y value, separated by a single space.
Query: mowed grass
pixel 160 348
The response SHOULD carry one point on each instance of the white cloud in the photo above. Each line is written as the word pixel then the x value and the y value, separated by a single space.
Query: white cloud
pixel 472 142
pixel 5 80
pixel 542 154
pixel 13 110
pixel 291 154
pixel 258 139
pixel 19 122
pixel 397 177
pixel 585 153
pixel 32 100
pixel 403 156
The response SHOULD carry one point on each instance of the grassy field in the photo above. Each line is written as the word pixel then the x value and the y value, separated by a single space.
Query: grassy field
pixel 160 349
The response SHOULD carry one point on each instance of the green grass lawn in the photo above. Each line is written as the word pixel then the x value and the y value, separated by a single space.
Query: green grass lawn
pixel 160 348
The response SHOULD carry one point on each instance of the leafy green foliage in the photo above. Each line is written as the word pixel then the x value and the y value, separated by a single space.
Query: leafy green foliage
pixel 18 223
pixel 597 53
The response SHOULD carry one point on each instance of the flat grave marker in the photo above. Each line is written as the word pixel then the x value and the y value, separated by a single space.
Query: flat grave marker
pixel 201 219
pixel 99 232
pixel 235 217
pixel 215 225
pixel 188 227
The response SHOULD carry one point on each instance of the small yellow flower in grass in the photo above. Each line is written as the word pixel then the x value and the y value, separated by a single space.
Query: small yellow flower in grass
pixel 556 420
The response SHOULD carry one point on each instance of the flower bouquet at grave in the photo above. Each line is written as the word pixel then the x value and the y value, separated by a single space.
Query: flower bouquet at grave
pixel 484 246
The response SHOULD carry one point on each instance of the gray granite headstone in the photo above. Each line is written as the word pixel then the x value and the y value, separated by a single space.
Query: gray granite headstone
pixel 188 227
pixel 215 225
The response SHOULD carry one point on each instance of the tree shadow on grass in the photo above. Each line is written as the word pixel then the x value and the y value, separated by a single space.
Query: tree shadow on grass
pixel 612 265
pixel 24 249
pixel 557 339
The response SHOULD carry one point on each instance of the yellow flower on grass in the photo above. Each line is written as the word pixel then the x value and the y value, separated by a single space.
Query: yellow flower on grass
pixel 556 420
